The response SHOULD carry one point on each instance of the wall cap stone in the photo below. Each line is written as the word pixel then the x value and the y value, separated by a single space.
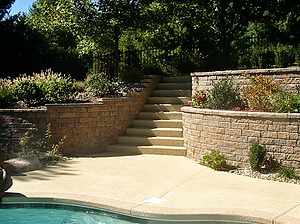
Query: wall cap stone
pixel 22 110
pixel 249 71
pixel 241 113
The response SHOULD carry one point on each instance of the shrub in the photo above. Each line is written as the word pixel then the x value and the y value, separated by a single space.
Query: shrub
pixel 261 57
pixel 285 102
pixel 284 55
pixel 258 91
pixel 99 84
pixel 59 90
pixel 131 74
pixel 199 99
pixel 215 160
pixel 6 96
pixel 288 173
pixel 224 95
pixel 297 55
pixel 257 156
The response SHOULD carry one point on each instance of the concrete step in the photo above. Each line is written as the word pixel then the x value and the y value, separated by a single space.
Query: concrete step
pixel 163 107
pixel 177 79
pixel 142 140
pixel 174 86
pixel 157 150
pixel 157 123
pixel 160 115
pixel 184 93
pixel 168 100
pixel 152 132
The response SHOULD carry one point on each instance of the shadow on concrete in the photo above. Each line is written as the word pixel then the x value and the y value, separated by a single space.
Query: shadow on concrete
pixel 49 172
pixel 111 154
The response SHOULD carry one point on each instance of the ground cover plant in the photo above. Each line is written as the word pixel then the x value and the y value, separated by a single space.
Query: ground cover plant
pixel 215 160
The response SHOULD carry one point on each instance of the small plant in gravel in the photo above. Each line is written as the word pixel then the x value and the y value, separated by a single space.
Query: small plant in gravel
pixel 257 156
pixel 286 173
pixel 199 99
pixel 215 160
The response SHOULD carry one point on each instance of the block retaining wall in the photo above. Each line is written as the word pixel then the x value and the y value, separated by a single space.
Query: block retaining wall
pixel 232 132
pixel 204 80
pixel 89 127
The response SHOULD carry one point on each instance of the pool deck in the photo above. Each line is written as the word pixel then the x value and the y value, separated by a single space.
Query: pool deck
pixel 123 182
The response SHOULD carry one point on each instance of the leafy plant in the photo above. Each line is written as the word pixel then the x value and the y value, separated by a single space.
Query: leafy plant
pixel 53 153
pixel 285 102
pixel 224 95
pixel 28 91
pixel 27 144
pixel 215 160
pixel 99 84
pixel 288 173
pixel 257 156
pixel 258 91
pixel 261 57
pixel 6 96
pixel 199 99
pixel 284 55
pixel 131 74
pixel 59 90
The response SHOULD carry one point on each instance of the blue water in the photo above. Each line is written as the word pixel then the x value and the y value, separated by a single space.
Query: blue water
pixel 57 213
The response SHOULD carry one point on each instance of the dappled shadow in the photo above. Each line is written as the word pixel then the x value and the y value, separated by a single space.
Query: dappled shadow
pixel 49 172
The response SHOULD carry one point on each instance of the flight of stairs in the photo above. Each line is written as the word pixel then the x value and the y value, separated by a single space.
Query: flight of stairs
pixel 158 130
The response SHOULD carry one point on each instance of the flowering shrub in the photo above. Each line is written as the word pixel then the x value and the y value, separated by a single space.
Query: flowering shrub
pixel 258 92
pixel 285 102
pixel 215 160
pixel 199 99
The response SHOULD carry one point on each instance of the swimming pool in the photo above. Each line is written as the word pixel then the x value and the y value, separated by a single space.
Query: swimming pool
pixel 54 213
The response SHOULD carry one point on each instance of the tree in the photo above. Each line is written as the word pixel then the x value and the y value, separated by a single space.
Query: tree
pixel 5 5
pixel 96 24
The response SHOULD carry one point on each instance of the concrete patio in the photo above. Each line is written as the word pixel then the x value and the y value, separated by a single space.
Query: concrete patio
pixel 123 182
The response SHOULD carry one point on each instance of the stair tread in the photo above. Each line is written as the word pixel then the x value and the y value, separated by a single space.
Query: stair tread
pixel 147 146
pixel 162 129
pixel 150 137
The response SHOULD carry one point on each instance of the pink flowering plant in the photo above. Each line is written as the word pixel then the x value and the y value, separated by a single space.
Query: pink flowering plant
pixel 199 99
pixel 215 160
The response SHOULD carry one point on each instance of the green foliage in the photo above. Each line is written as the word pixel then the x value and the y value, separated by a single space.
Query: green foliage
pixel 200 99
pixel 28 91
pixel 288 173
pixel 261 57
pixel 45 87
pixel 131 74
pixel 59 90
pixel 285 102
pixel 258 91
pixel 284 55
pixel 54 154
pixel 215 160
pixel 27 144
pixel 6 96
pixel 257 156
pixel 224 95
pixel 297 55
pixel 99 84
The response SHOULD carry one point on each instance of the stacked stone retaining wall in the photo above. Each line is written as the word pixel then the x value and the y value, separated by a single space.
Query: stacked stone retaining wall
pixel 88 127
pixel 232 132
pixel 205 80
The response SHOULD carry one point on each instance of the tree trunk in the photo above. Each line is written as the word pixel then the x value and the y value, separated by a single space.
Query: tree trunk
pixel 116 56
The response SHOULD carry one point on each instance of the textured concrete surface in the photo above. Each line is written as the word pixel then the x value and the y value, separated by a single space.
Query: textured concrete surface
pixel 192 191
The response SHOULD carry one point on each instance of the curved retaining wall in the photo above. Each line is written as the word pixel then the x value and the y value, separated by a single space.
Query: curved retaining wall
pixel 232 133
pixel 204 80
pixel 88 127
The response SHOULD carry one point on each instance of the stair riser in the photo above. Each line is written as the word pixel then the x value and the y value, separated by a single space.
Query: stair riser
pixel 156 124
pixel 176 93
pixel 164 108
pixel 168 100
pixel 174 86
pixel 153 133
pixel 150 141
pixel 156 151
pixel 164 116
pixel 177 79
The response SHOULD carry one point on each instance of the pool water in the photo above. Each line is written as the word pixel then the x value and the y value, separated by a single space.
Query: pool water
pixel 58 213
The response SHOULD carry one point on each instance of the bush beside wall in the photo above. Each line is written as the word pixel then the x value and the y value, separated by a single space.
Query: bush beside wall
pixel 89 127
